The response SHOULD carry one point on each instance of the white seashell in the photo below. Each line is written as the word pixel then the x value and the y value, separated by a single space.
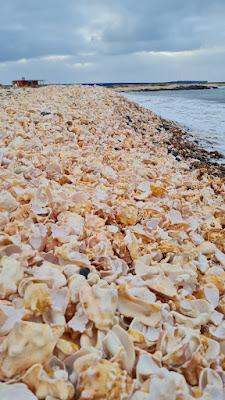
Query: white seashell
pixel 7 201
pixel 175 217
pixel 11 315
pixel 202 264
pixel 119 346
pixel 212 294
pixel 207 248
pixel 16 391
pixel 79 321
pixel 211 385
pixel 147 365
pixel 50 273
pixel 216 317
pixel 220 257
pixel 218 332
pixel 11 273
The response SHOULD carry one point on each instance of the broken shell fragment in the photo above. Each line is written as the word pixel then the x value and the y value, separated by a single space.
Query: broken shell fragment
pixel 99 303
pixel 16 391
pixel 28 343
pixel 37 379
pixel 107 381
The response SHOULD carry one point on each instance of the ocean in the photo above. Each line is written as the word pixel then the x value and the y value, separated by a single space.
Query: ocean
pixel 200 111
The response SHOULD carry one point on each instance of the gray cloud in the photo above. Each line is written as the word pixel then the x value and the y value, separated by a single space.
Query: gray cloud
pixel 97 34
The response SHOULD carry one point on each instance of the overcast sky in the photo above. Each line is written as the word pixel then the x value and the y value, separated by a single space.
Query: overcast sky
pixel 112 40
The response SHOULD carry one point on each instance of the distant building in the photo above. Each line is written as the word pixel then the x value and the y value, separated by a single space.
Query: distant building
pixel 27 82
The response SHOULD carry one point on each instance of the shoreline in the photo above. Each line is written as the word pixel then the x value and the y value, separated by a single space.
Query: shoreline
pixel 182 140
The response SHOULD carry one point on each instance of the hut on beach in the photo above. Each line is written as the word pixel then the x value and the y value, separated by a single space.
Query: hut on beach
pixel 27 82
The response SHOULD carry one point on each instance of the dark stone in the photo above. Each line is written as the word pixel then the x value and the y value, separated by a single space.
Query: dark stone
pixel 175 153
pixel 85 272
pixel 178 158
pixel 69 123
pixel 43 113
pixel 128 118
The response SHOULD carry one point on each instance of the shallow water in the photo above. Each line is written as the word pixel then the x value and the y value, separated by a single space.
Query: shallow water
pixel 202 111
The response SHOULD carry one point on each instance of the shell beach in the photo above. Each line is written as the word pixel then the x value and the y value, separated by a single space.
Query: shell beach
pixel 112 264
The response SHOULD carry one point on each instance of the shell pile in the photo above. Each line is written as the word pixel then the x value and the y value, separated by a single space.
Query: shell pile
pixel 112 264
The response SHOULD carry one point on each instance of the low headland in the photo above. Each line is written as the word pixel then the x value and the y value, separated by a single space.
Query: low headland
pixel 153 87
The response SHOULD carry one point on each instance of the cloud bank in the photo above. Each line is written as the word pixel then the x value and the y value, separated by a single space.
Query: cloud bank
pixel 120 40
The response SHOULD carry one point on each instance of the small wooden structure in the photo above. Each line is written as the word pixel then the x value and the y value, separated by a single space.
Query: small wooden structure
pixel 27 82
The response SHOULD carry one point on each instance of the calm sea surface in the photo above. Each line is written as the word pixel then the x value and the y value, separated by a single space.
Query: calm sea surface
pixel 202 111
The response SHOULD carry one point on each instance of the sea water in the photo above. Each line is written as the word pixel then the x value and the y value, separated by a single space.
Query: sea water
pixel 201 111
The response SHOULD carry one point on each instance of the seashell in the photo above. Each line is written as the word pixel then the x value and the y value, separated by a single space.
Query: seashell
pixel 73 220
pixel 4 219
pixel 132 245
pixel 141 333
pixel 162 285
pixel 206 248
pixel 50 273
pixel 79 321
pixel 216 236
pixel 218 332
pixel 118 344
pixel 9 316
pixel 27 343
pixel 99 303
pixel 143 191
pixel 211 348
pixel 194 308
pixel 178 346
pixel 211 385
pixel 203 264
pixel 66 347
pixel 216 281
pixel 37 379
pixel 134 307
pixel 158 191
pixel 16 391
pixel 212 294
pixel 75 282
pixel 127 215
pixel 37 298
pixel 38 236
pixel 107 381
pixel 11 273
pixel 59 298
pixel 147 365
pixel 7 202
pixel 220 257
pixel 73 257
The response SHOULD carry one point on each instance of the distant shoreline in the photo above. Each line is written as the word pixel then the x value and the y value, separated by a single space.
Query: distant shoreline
pixel 165 87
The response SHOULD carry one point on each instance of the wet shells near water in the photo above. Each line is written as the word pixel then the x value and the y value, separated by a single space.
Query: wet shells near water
pixel 112 264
